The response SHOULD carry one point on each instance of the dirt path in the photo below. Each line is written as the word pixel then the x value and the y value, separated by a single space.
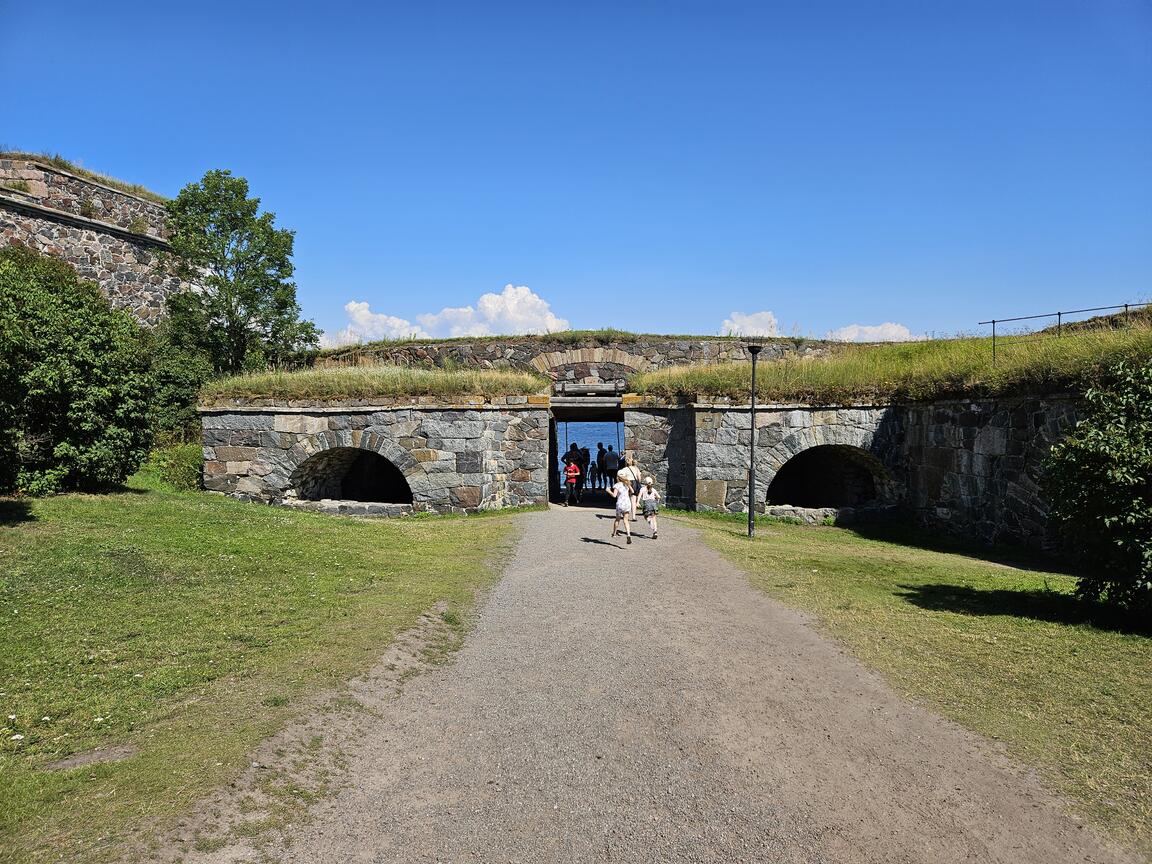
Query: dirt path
pixel 644 703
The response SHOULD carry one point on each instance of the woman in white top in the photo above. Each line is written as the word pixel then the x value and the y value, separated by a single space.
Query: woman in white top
pixel 649 500
pixel 622 492
pixel 631 475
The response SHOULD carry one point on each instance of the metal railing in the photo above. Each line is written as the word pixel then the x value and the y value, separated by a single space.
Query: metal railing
pixel 1123 311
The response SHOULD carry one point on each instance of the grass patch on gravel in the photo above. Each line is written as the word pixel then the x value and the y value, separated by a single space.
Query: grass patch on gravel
pixel 932 369
pixel 188 627
pixel 368 381
pixel 1005 651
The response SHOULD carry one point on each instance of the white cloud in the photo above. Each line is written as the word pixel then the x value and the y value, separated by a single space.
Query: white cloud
pixel 515 310
pixel 753 324
pixel 886 332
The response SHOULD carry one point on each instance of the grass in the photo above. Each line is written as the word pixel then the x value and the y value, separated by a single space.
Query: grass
pixel 1005 651
pixel 188 627
pixel 601 336
pixel 372 381
pixel 58 161
pixel 933 369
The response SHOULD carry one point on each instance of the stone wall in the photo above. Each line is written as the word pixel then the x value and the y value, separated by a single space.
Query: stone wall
pixel 455 458
pixel 969 468
pixel 588 361
pixel 110 237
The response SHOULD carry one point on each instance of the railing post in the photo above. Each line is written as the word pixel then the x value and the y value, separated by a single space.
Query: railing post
pixel 1059 323
pixel 993 341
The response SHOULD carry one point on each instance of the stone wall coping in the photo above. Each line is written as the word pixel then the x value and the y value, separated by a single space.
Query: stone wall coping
pixel 55 215
pixel 57 170
pixel 633 401
pixel 367 406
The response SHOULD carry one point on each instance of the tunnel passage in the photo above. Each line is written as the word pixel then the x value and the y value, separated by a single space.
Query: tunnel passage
pixel 351 474
pixel 829 475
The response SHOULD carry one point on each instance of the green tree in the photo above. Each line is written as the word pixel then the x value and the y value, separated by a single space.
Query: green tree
pixel 75 380
pixel 1099 480
pixel 243 313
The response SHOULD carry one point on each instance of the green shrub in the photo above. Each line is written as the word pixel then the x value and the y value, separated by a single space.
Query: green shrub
pixel 180 465
pixel 1099 480
pixel 75 384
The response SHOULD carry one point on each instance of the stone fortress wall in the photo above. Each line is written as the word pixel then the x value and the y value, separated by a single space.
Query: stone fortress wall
pixel 587 361
pixel 109 236
pixel 969 468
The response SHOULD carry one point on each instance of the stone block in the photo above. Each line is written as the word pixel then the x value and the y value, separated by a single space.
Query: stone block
pixel 466 496
pixel 711 493
pixel 422 454
pixel 236 454
pixel 237 468
pixel 259 422
pixel 214 468
pixel 470 462
pixel 301 424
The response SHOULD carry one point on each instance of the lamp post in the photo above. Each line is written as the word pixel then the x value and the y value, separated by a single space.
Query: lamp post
pixel 754 349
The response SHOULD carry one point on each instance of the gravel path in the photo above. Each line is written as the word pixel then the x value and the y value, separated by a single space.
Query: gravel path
pixel 644 703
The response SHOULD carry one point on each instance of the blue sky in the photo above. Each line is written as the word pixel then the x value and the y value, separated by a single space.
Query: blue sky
pixel 649 166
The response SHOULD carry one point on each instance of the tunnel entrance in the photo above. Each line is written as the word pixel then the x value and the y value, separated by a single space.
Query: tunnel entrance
pixel 584 415
pixel 829 475
pixel 351 474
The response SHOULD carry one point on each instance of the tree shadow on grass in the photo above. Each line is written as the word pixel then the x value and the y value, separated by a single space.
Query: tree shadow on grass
pixel 1038 604
pixel 13 511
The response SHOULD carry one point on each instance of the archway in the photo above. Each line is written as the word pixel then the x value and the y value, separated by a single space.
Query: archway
pixel 350 474
pixel 828 475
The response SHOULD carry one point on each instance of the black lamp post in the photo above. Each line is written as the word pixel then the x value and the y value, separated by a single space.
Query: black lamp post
pixel 754 349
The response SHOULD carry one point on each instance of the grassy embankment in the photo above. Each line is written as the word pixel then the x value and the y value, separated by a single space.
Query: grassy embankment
pixel 912 370
pixel 1004 651
pixel 374 381
pixel 188 627
pixel 58 161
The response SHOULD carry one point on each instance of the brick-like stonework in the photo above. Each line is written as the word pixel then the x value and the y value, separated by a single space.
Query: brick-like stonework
pixel 455 458
pixel 969 468
pixel 110 237
pixel 586 362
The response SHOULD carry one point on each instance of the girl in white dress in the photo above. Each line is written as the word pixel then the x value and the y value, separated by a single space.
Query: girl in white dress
pixel 622 492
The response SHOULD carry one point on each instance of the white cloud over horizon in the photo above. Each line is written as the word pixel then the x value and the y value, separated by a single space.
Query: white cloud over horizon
pixel 515 310
pixel 889 331
pixel 753 324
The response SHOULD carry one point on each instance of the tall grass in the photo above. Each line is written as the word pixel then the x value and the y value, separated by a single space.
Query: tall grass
pixel 361 382
pixel 58 161
pixel 912 370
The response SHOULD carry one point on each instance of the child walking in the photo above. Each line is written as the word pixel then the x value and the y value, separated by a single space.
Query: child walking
pixel 649 501
pixel 622 492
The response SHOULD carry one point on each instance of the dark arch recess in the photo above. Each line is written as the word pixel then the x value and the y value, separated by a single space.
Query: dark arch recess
pixel 351 474
pixel 829 475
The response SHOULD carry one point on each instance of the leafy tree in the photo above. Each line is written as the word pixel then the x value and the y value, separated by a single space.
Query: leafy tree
pixel 243 312
pixel 76 380
pixel 1099 480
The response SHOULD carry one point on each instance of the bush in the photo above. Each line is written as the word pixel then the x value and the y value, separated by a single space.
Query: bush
pixel 75 383
pixel 179 466
pixel 179 373
pixel 1099 480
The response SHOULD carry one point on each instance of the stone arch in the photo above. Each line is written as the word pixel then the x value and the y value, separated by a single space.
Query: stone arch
pixel 584 360
pixel 408 466
pixel 846 448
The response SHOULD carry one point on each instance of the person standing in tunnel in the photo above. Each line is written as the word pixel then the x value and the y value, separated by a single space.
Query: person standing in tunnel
pixel 601 469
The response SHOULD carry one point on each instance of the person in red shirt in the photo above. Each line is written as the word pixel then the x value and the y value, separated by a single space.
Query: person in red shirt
pixel 572 478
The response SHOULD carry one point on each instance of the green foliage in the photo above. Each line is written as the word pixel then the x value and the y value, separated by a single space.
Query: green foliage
pixel 244 314
pixel 179 374
pixel 1099 480
pixel 368 381
pixel 179 466
pixel 75 383
pixel 925 370
pixel 17 186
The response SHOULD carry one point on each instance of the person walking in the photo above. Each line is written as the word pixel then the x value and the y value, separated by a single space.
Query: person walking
pixel 611 464
pixel 622 492
pixel 649 500
pixel 631 475
pixel 571 477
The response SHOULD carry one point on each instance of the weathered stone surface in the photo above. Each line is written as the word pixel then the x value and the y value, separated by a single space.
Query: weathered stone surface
pixel 711 494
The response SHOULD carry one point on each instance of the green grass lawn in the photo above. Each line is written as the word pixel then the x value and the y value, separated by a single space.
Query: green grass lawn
pixel 1003 650
pixel 190 627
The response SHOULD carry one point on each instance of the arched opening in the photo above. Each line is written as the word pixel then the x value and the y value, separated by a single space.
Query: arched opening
pixel 829 475
pixel 350 474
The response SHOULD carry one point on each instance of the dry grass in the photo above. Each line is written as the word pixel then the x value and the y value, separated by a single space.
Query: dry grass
pixel 912 370
pixel 374 381
pixel 58 161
